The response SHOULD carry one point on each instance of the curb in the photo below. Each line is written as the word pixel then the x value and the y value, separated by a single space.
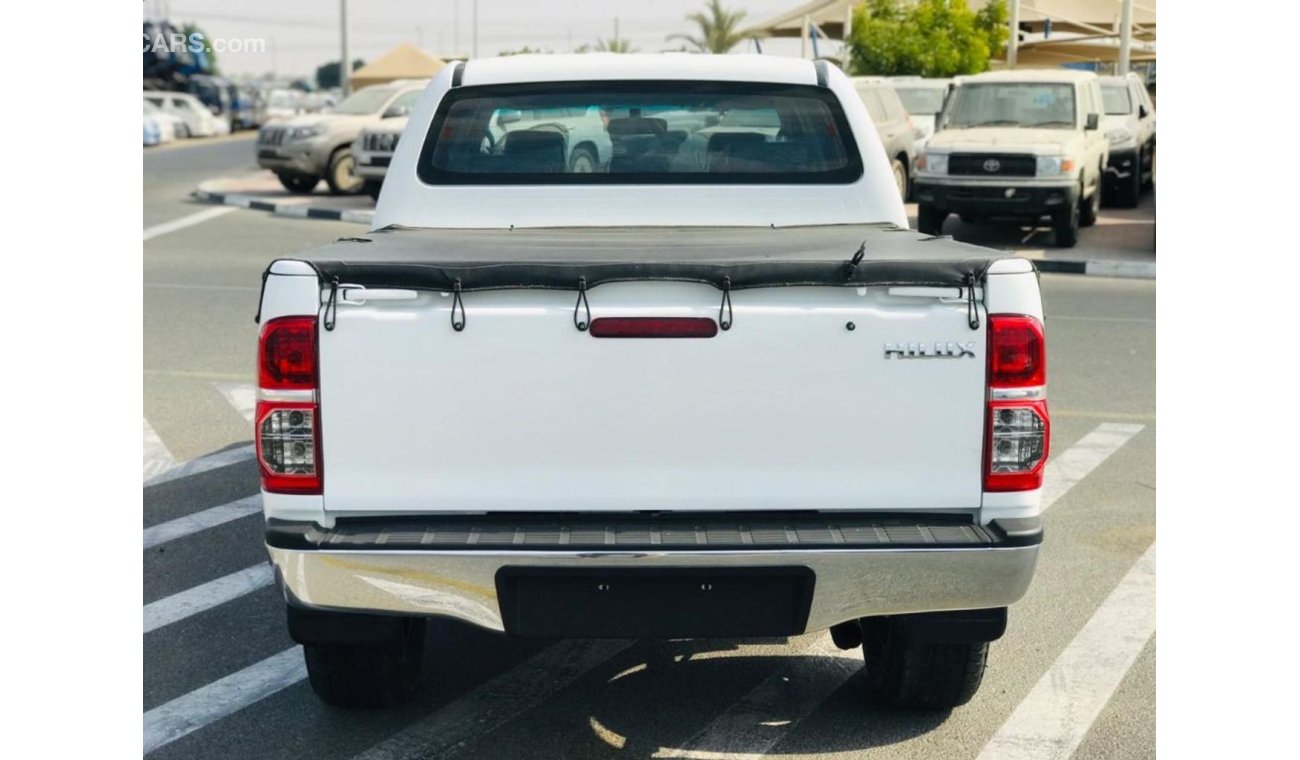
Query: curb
pixel 1142 270
pixel 295 210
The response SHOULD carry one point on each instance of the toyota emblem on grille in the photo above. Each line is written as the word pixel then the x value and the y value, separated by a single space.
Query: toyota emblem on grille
pixel 992 165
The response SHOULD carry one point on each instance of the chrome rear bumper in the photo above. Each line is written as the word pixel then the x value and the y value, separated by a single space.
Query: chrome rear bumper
pixel 980 568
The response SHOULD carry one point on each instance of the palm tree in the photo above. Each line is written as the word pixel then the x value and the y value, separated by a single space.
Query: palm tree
pixel 719 29
pixel 614 46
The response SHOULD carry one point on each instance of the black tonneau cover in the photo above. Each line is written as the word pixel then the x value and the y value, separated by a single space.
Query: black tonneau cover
pixel 733 258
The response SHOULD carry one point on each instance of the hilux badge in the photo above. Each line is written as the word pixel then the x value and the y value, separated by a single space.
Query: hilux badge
pixel 936 350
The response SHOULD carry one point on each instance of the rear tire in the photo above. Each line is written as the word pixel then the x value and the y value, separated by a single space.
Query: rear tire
pixel 904 674
pixel 900 178
pixel 583 161
pixel 1091 206
pixel 1130 190
pixel 298 184
pixel 1066 226
pixel 370 674
pixel 341 175
pixel 929 219
pixel 372 188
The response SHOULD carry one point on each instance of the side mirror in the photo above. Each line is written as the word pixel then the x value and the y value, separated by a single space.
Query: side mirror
pixel 216 110
pixel 1094 120
pixel 396 111
pixel 1143 112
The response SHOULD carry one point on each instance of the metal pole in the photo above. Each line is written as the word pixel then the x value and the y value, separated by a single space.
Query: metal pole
pixel 345 67
pixel 1013 43
pixel 803 37
pixel 1125 36
pixel 476 28
pixel 455 27
pixel 848 31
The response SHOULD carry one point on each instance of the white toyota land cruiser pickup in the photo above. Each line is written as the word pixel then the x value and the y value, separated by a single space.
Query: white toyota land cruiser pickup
pixel 715 388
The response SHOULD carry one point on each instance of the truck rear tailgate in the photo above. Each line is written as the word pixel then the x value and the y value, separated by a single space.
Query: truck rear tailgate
pixel 789 409
pixel 798 406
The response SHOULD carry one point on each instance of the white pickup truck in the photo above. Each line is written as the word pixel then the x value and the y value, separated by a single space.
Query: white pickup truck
pixel 714 388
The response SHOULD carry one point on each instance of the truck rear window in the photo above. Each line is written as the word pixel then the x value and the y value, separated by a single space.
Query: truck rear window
pixel 639 133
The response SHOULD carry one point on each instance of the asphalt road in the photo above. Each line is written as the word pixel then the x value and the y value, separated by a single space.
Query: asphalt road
pixel 1074 676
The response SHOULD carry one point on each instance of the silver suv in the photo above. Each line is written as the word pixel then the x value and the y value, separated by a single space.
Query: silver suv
pixel 304 149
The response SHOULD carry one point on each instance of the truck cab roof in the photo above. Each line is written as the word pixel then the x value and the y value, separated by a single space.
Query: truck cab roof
pixel 634 66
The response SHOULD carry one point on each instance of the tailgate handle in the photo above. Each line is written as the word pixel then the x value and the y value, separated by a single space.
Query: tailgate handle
pixel 358 295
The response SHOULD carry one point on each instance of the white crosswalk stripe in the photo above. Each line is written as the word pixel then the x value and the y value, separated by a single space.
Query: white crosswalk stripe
pixel 444 733
pixel 195 600
pixel 157 459
pixel 242 396
pixel 185 714
pixel 212 461
pixel 1053 719
pixel 161 467
pixel 208 518
pixel 764 716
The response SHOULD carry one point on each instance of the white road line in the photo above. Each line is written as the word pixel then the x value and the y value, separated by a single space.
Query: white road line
pixel 494 703
pixel 157 459
pixel 208 518
pixel 1075 464
pixel 186 221
pixel 195 600
pixel 167 723
pixel 205 463
pixel 792 693
pixel 242 396
pixel 1051 722
pixel 766 715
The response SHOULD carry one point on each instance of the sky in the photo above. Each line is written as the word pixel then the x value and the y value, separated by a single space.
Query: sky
pixel 299 35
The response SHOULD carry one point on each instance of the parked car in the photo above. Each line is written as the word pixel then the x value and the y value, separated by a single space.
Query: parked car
pixel 152 134
pixel 897 132
pixel 1017 145
pixel 663 400
pixel 198 120
pixel 303 149
pixel 165 126
pixel 1130 126
pixel 282 104
pixel 587 136
pixel 374 146
pixel 923 99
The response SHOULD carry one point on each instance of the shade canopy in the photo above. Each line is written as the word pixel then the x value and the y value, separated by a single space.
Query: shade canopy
pixel 402 62
pixel 1075 16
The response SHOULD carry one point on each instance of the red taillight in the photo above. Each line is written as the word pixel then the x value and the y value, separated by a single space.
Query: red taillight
pixel 1017 356
pixel 287 424
pixel 287 354
pixel 653 327
pixel 1019 427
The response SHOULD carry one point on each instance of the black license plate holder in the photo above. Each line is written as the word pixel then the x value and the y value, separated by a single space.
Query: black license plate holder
pixel 655 602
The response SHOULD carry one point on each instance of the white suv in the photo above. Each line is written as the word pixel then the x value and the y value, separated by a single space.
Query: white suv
pixel 1017 145
pixel 1130 126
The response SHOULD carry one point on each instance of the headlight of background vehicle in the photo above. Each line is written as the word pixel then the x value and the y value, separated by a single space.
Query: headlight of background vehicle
pixel 1054 166
pixel 304 133
pixel 1118 137
pixel 933 163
